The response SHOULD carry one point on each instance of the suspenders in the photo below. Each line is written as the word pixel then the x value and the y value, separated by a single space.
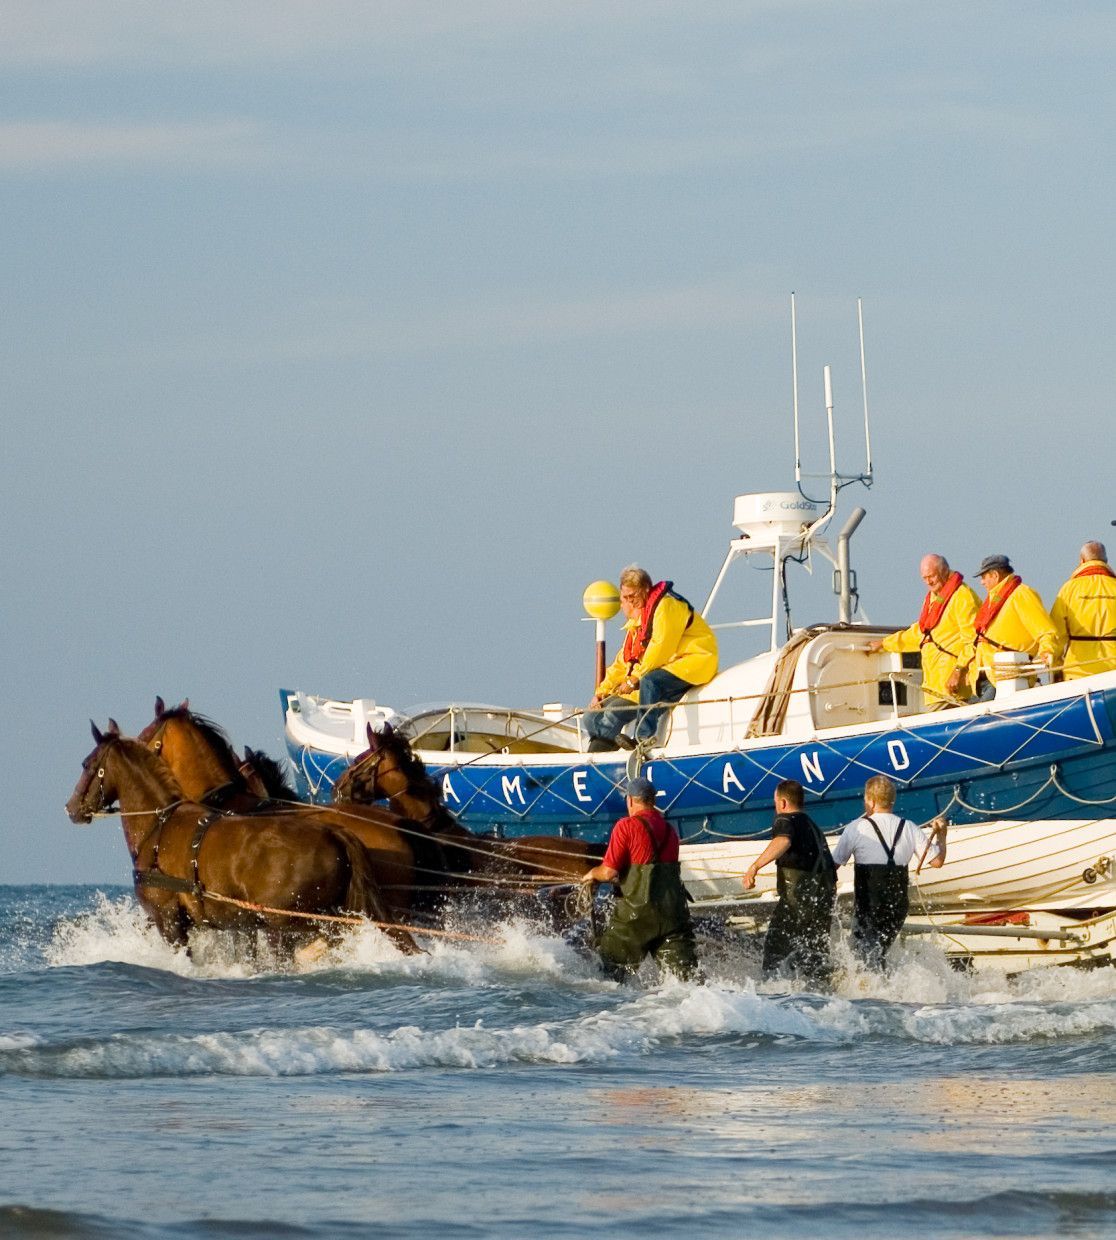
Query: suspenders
pixel 889 852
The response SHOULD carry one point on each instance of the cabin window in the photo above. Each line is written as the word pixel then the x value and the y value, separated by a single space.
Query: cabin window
pixel 892 694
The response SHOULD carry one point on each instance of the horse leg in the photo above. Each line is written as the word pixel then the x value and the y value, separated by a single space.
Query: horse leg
pixel 174 924
pixel 364 895
pixel 311 952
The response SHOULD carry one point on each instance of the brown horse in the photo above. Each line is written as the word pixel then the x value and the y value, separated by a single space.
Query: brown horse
pixel 391 770
pixel 193 866
pixel 205 763
pixel 407 860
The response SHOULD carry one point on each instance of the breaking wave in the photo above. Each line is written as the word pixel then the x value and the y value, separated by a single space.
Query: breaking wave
pixel 510 995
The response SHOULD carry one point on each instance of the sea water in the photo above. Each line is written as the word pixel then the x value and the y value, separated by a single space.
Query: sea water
pixel 503 1088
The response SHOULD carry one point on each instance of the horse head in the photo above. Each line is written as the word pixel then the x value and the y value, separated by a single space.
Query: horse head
pixel 387 768
pixel 197 751
pixel 95 792
pixel 152 735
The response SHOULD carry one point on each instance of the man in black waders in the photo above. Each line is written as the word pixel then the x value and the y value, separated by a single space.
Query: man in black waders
pixel 798 933
pixel 651 916
pixel 882 844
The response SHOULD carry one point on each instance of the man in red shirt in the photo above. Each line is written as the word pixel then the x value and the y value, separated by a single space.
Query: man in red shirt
pixel 651 916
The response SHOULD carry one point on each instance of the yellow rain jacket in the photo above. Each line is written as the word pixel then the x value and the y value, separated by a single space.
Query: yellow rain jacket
pixel 1085 610
pixel 942 647
pixel 1023 623
pixel 684 646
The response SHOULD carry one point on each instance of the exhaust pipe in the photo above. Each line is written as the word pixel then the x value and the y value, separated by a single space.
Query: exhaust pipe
pixel 844 579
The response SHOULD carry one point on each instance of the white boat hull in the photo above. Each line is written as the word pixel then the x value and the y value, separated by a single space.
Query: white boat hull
pixel 1064 864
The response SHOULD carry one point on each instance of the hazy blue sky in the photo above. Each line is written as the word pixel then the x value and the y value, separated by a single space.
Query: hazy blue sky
pixel 344 343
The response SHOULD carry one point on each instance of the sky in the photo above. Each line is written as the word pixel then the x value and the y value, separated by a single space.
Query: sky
pixel 343 344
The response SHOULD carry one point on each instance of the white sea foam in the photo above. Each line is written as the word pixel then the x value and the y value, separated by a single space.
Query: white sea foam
pixel 1006 1022
pixel 510 951
pixel 17 1041
pixel 119 931
pixel 113 930
pixel 638 1026
pixel 921 998
pixel 645 1024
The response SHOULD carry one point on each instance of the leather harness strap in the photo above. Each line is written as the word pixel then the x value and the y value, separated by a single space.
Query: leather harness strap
pixel 154 877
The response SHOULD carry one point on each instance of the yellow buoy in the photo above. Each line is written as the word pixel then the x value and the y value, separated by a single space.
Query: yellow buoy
pixel 601 600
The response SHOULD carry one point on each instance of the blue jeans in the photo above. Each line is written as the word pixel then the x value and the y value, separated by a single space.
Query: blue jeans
pixel 987 691
pixel 658 691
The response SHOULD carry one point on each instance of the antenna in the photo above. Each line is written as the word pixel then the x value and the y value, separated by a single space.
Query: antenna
pixel 833 487
pixel 794 390
pixel 867 479
pixel 837 481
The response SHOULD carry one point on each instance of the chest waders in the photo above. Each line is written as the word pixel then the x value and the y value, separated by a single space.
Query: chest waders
pixel 651 916
pixel 881 901
pixel 798 932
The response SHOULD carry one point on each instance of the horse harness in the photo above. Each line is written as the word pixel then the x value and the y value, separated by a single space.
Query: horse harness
pixel 154 877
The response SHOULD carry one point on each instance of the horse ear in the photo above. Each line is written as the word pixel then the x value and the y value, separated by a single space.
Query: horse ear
pixel 249 754
pixel 160 708
pixel 98 735
pixel 373 738
pixel 185 704
pixel 113 728
pixel 389 731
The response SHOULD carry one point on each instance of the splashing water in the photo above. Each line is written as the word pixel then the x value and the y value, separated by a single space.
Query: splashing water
pixel 504 1087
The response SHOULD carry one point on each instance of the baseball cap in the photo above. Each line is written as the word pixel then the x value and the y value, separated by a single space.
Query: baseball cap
pixel 640 789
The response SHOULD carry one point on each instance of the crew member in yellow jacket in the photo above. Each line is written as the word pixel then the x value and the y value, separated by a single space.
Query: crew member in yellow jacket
pixel 943 629
pixel 668 649
pixel 1012 617
pixel 1084 614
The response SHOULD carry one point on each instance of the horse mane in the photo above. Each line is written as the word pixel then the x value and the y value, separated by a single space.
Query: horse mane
pixel 139 754
pixel 273 775
pixel 217 737
pixel 411 764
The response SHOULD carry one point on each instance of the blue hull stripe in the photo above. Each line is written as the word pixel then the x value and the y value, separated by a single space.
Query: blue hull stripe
pixel 1048 760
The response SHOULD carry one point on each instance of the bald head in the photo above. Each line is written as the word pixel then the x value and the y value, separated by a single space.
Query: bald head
pixel 934 570
pixel 1094 551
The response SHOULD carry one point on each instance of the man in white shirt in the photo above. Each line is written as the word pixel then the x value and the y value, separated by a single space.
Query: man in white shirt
pixel 882 845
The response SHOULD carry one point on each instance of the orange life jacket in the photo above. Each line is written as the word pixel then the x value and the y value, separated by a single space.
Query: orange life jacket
pixel 989 610
pixel 934 608
pixel 635 643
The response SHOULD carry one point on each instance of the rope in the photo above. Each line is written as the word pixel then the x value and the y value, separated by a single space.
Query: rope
pixel 942 930
pixel 316 785
pixel 1029 730
pixel 342 919
pixel 478 847
pixel 547 873
pixel 545 877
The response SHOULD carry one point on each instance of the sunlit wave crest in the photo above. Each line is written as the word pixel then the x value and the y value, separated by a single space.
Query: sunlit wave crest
pixel 921 1000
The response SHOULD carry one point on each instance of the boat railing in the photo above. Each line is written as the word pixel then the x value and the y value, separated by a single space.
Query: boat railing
pixel 455 715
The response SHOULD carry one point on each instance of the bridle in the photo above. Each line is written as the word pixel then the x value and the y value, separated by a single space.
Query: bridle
pixel 367 767
pixel 155 741
pixel 102 805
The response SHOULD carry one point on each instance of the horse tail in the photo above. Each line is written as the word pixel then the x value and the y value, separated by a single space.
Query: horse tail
pixel 364 892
